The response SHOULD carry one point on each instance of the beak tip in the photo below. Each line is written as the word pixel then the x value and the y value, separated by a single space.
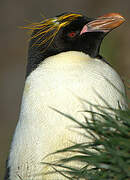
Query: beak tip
pixel 115 16
pixel 118 15
pixel 119 18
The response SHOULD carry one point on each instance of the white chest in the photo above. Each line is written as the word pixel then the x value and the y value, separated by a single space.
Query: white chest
pixel 59 82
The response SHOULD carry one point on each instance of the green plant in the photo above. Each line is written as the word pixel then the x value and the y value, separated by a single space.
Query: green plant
pixel 107 157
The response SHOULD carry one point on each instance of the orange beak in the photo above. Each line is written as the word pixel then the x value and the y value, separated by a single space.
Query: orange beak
pixel 103 23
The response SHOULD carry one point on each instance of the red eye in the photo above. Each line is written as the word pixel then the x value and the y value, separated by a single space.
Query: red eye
pixel 72 34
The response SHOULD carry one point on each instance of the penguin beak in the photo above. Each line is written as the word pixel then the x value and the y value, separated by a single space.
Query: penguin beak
pixel 104 23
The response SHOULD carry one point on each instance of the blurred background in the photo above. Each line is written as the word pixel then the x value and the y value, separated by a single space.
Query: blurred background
pixel 14 45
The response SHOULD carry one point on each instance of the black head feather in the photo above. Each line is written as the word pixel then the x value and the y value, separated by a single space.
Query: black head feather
pixel 53 36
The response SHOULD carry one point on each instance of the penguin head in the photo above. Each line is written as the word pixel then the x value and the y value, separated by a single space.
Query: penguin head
pixel 69 32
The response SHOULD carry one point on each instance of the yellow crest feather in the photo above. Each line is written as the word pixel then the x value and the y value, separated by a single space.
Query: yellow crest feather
pixel 51 27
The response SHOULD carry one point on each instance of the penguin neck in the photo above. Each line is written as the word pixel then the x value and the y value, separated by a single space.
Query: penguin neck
pixel 37 56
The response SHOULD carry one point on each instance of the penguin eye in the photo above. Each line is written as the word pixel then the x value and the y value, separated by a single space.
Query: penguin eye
pixel 72 34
